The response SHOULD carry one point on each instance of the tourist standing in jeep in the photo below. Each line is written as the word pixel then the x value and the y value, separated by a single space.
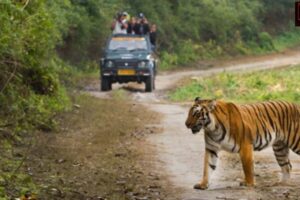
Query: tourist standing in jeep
pixel 142 27
pixel 132 26
pixel 152 35
pixel 120 24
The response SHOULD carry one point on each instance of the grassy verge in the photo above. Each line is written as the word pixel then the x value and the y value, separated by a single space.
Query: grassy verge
pixel 14 181
pixel 257 86
pixel 287 40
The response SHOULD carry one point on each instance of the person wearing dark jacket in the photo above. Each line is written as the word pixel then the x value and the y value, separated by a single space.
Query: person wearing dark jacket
pixel 153 34
pixel 132 26
pixel 142 27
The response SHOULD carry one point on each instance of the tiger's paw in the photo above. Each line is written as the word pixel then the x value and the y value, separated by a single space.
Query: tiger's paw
pixel 246 184
pixel 201 186
pixel 285 177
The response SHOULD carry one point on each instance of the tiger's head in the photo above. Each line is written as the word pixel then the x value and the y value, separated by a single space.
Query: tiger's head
pixel 200 115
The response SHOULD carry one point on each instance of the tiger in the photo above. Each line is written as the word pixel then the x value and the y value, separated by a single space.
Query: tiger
pixel 244 128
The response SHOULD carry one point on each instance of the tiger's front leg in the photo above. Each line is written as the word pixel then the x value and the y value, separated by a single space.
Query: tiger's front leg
pixel 210 164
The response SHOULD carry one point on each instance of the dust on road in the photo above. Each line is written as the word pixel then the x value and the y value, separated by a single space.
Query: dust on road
pixel 179 154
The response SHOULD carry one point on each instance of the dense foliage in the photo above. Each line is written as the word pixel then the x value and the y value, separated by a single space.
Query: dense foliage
pixel 192 29
pixel 29 85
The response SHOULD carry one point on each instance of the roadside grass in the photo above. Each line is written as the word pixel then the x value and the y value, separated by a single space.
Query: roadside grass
pixel 14 182
pixel 78 79
pixel 283 84
pixel 287 40
pixel 97 152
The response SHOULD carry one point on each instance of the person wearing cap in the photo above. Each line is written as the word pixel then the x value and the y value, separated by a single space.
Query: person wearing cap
pixel 120 25
pixel 142 28
pixel 141 15
pixel 127 16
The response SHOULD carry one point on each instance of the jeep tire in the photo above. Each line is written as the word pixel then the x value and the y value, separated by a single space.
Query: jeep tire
pixel 149 84
pixel 105 84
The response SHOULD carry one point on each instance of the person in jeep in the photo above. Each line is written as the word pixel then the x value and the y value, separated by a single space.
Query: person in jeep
pixel 153 34
pixel 120 24
pixel 132 26
pixel 142 27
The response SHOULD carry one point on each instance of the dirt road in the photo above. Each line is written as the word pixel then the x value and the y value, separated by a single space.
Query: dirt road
pixel 180 154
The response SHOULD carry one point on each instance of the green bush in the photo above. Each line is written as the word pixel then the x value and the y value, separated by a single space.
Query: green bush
pixel 287 39
pixel 265 41
pixel 168 61
pixel 30 90
pixel 186 52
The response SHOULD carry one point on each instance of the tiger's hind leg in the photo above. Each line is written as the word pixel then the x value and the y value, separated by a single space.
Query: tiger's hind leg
pixel 246 155
pixel 281 151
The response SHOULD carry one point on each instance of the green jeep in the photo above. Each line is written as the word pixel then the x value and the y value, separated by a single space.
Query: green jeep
pixel 128 58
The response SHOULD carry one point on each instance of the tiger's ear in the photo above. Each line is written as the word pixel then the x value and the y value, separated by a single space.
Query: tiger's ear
pixel 212 105
pixel 197 99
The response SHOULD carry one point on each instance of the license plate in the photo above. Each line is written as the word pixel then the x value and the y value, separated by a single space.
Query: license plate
pixel 126 72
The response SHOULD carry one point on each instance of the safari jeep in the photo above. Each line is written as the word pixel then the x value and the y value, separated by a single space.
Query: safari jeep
pixel 128 58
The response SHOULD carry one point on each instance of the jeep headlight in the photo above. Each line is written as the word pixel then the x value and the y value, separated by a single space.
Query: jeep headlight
pixel 109 64
pixel 142 64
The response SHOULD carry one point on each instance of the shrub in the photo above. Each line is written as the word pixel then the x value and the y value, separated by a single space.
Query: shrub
pixel 265 41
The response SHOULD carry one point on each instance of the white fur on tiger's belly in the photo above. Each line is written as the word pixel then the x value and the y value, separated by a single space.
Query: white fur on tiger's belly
pixel 229 145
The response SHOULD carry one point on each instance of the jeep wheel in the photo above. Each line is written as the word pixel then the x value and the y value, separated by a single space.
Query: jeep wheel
pixel 149 84
pixel 105 84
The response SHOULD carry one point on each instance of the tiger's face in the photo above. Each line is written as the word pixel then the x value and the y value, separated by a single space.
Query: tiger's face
pixel 200 115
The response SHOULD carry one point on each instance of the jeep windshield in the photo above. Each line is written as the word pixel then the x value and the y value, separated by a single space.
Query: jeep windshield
pixel 127 44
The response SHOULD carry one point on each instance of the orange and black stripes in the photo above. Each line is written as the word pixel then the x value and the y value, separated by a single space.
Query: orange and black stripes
pixel 269 121
pixel 279 117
